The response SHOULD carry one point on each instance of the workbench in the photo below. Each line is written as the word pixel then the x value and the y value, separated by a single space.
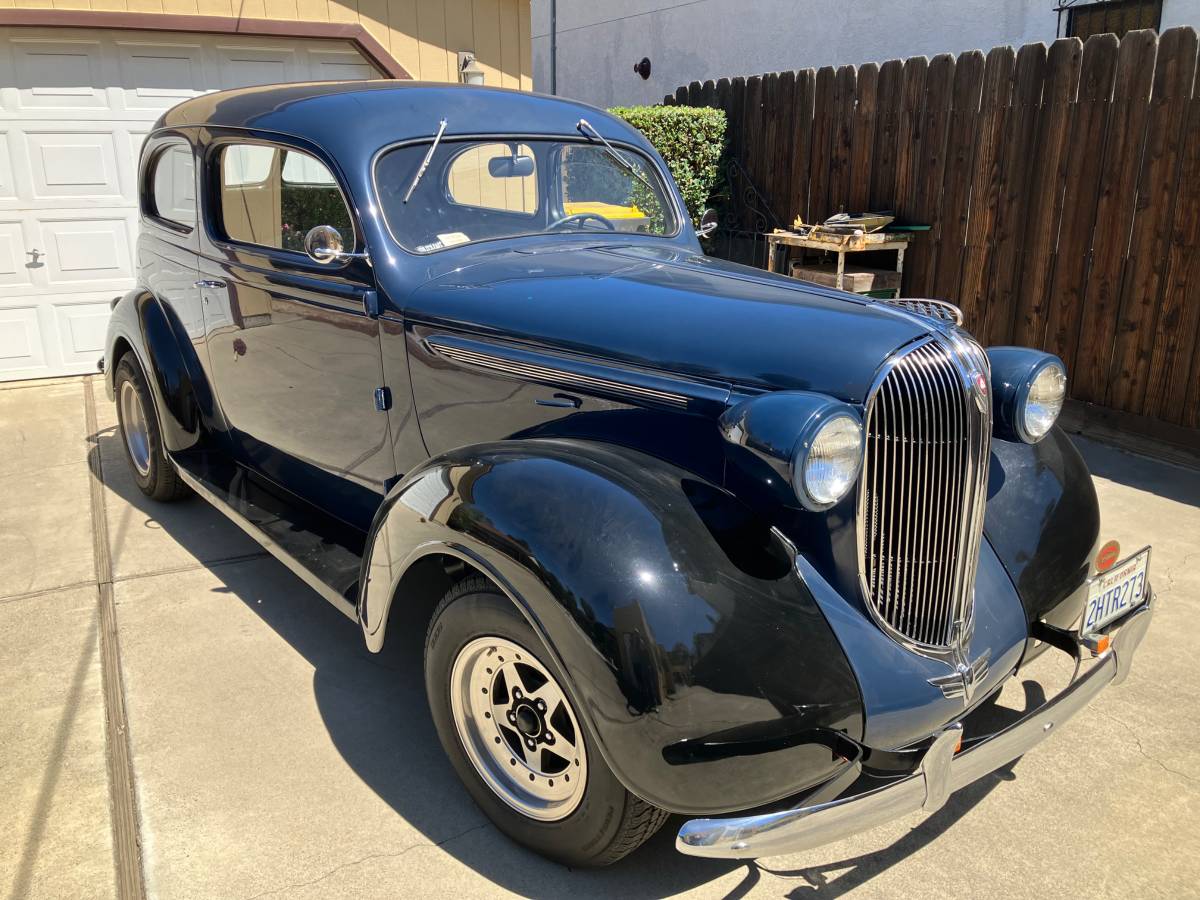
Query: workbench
pixel 859 280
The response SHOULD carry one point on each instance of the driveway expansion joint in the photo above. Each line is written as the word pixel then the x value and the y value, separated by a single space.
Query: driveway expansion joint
pixel 126 840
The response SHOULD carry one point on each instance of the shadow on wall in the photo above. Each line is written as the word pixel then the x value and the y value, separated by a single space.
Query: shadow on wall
pixel 375 711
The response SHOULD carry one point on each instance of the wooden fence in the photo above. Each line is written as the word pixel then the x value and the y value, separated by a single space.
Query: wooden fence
pixel 1062 187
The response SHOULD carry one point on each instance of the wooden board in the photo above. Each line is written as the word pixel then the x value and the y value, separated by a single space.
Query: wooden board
pixel 883 176
pixel 985 182
pixel 1049 174
pixel 858 279
pixel 862 137
pixel 1012 201
pixel 802 134
pixel 844 90
pixel 822 146
pixel 908 136
pixel 1089 128
pixel 929 173
pixel 951 219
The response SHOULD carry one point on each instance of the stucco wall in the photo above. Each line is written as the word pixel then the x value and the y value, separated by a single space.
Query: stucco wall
pixel 424 36
pixel 599 43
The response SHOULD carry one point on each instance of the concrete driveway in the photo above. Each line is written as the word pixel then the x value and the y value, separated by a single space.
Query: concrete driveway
pixel 271 755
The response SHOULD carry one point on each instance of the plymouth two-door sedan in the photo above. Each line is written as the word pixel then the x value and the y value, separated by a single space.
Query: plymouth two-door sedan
pixel 684 537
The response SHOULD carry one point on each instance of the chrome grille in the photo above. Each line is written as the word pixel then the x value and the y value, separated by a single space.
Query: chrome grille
pixel 922 491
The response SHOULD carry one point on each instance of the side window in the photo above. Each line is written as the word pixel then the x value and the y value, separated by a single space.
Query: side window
pixel 272 197
pixel 471 182
pixel 173 185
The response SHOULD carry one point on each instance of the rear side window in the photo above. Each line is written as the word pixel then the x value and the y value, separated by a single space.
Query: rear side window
pixel 173 185
pixel 272 196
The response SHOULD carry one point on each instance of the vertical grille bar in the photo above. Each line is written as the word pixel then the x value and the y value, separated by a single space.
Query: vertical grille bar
pixel 922 492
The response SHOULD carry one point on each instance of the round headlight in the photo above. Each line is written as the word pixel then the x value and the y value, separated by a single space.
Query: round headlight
pixel 827 464
pixel 1043 402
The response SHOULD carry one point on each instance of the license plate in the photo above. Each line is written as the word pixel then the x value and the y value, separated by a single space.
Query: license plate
pixel 1115 592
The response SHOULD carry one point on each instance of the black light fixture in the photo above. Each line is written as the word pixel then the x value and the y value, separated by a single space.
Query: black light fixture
pixel 643 68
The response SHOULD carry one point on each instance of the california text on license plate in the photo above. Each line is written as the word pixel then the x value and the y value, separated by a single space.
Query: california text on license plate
pixel 1113 593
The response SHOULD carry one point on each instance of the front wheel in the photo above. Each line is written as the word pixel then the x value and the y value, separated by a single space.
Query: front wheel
pixel 514 738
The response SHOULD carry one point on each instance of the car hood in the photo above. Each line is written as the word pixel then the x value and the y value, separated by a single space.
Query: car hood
pixel 672 310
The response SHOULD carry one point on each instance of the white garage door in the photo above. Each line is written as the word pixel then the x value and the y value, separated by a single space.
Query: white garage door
pixel 75 106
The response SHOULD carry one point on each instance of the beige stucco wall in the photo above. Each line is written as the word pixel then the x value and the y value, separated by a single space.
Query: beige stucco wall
pixel 422 35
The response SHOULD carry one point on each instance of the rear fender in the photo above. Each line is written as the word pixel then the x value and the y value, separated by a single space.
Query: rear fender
pixel 182 396
pixel 672 613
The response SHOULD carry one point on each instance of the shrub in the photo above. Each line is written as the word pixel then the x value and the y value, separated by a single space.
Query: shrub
pixel 691 139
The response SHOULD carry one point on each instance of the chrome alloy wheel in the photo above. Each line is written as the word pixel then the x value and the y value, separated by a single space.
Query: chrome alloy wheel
pixel 133 423
pixel 518 728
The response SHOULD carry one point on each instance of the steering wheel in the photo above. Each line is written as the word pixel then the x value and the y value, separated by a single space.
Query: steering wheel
pixel 580 218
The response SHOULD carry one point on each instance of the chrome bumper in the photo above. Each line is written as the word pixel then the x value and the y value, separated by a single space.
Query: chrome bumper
pixel 941 773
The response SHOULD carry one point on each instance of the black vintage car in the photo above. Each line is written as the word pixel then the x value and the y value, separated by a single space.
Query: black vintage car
pixel 686 537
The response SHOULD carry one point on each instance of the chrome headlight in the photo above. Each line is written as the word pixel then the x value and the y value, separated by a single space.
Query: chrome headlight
pixel 827 461
pixel 809 441
pixel 1043 401
pixel 1028 388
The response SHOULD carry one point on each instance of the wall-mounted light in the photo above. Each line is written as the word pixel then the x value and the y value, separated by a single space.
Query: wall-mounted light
pixel 469 70
pixel 643 68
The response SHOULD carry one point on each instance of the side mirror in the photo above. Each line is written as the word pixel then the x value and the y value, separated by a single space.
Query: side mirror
pixel 708 223
pixel 510 166
pixel 323 244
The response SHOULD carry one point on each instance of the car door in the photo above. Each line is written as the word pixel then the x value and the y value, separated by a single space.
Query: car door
pixel 167 243
pixel 293 343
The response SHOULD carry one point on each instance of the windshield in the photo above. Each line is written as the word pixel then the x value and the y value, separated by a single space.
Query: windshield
pixel 482 190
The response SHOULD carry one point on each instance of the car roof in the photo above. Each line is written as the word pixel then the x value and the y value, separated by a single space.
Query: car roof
pixel 344 115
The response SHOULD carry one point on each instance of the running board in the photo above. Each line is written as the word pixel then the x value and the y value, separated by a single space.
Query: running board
pixel 298 539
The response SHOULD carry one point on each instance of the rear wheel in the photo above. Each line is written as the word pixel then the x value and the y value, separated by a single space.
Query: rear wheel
pixel 514 738
pixel 152 470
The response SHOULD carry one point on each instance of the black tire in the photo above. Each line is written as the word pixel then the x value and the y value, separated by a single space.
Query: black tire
pixel 160 481
pixel 609 821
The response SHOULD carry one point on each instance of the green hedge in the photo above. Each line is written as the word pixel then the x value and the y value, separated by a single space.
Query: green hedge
pixel 691 139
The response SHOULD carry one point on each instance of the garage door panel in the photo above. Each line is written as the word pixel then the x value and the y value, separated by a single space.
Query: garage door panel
pixel 335 66
pixel 81 325
pixel 87 250
pixel 248 66
pixel 59 75
pixel 157 76
pixel 22 350
pixel 8 181
pixel 14 271
pixel 73 164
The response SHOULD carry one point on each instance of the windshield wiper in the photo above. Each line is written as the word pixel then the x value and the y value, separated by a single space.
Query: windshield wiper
pixel 616 154
pixel 425 162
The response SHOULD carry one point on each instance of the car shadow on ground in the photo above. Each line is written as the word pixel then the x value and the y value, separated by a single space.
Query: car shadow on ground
pixel 1167 480
pixel 374 709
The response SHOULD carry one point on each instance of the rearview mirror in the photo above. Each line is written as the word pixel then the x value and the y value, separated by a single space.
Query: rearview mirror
pixel 708 223
pixel 510 166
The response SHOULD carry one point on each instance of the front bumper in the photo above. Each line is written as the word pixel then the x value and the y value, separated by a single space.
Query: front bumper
pixel 941 773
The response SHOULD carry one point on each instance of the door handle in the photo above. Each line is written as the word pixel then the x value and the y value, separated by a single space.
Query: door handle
pixel 210 284
pixel 563 401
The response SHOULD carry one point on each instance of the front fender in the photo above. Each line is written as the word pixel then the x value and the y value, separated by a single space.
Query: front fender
pixel 169 362
pixel 1043 520
pixel 673 612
